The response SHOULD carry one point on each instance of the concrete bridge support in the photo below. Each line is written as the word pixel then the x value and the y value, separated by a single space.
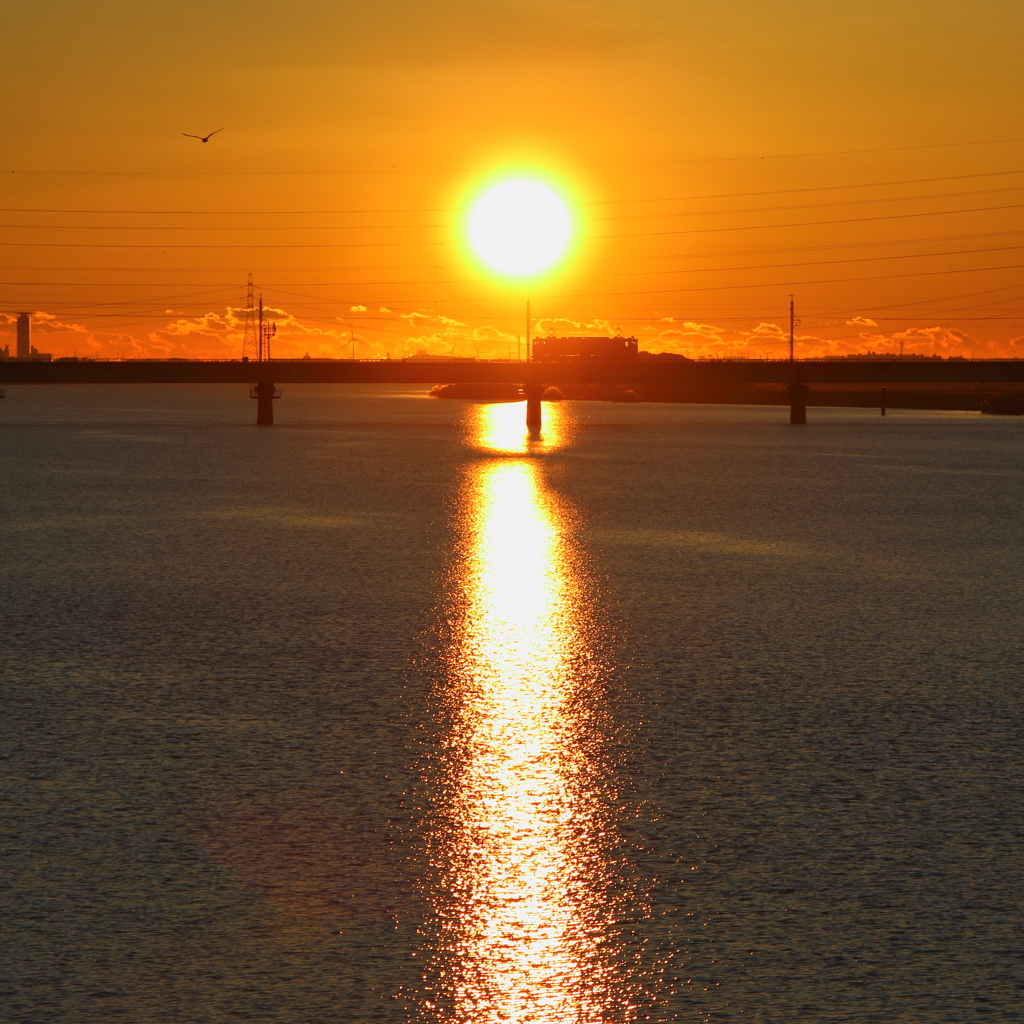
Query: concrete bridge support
pixel 264 393
pixel 534 393
pixel 798 402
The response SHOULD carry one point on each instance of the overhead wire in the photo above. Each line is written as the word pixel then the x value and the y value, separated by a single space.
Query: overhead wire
pixel 600 202
pixel 961 295
pixel 369 245
pixel 797 284
pixel 606 236
pixel 270 227
pixel 706 288
pixel 239 245
pixel 808 206
pixel 631 273
pixel 813 223
pixel 416 227
pixel 393 169
pixel 602 259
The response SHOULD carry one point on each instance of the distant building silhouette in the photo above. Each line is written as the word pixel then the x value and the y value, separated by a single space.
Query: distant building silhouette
pixel 585 350
pixel 24 335
pixel 24 348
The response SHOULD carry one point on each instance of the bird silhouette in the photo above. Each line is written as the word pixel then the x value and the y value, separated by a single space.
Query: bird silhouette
pixel 202 138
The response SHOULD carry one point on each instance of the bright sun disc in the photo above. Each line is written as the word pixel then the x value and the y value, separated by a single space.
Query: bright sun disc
pixel 520 227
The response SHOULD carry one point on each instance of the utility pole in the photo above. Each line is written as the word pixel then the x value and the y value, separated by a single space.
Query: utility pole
pixel 266 332
pixel 529 324
pixel 792 327
pixel 264 390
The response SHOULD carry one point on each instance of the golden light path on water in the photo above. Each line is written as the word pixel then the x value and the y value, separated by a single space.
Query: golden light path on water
pixel 525 913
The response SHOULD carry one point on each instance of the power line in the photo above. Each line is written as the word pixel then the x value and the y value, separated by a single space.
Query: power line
pixel 463 170
pixel 791 284
pixel 676 291
pixel 604 259
pixel 240 213
pixel 601 202
pixel 414 227
pixel 939 298
pixel 800 156
pixel 638 234
pixel 151 298
pixel 632 273
pixel 804 206
pixel 795 248
pixel 808 224
pixel 814 188
pixel 270 227
pixel 779 266
pixel 240 245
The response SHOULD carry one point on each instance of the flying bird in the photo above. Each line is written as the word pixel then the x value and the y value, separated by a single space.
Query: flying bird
pixel 202 138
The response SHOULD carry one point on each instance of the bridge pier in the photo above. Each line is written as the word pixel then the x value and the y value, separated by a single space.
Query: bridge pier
pixel 798 402
pixel 534 393
pixel 264 393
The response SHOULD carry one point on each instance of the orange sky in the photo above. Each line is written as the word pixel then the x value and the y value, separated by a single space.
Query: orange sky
pixel 864 156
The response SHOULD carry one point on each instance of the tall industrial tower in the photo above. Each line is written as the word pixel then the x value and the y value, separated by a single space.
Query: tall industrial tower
pixel 24 329
pixel 250 341
pixel 256 341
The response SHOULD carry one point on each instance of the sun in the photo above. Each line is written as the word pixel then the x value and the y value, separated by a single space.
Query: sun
pixel 520 227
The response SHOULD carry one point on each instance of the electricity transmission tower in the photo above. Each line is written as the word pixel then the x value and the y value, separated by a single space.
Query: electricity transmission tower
pixel 256 341
pixel 250 341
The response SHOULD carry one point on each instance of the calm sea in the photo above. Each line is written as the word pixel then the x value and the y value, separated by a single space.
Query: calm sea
pixel 390 713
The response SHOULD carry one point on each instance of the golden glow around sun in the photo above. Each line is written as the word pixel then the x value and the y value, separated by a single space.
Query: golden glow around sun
pixel 520 227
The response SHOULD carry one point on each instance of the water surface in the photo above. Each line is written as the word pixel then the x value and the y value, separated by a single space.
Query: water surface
pixel 390 713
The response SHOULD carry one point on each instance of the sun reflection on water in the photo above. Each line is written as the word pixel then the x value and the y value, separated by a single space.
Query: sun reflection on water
pixel 525 915
pixel 500 428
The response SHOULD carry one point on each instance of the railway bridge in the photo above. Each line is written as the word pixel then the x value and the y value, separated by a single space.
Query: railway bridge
pixel 265 378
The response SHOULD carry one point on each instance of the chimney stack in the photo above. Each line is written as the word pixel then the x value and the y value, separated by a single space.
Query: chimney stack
pixel 24 335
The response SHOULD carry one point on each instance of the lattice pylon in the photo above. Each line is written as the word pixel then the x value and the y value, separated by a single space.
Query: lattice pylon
pixel 251 339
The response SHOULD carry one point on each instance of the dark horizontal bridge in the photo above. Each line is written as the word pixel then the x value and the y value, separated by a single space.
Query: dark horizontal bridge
pixel 394 371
